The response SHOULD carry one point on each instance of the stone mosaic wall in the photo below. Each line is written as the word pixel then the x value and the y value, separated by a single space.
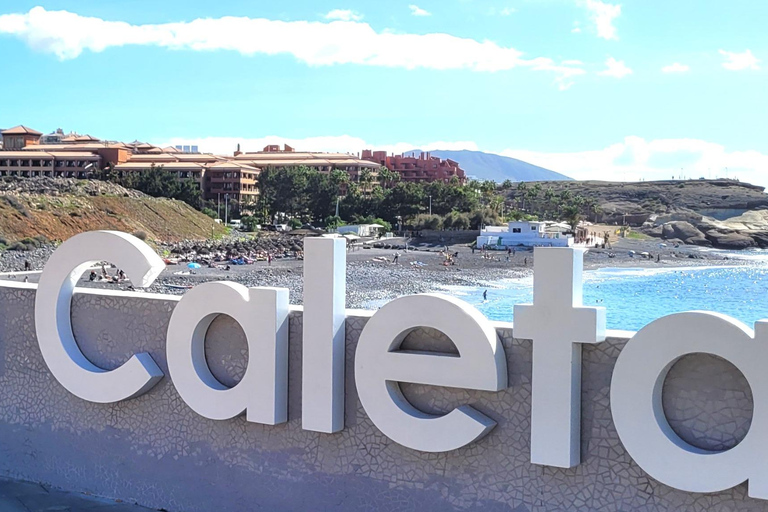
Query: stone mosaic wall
pixel 154 450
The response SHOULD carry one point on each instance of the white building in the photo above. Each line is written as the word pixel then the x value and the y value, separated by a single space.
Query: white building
pixel 526 233
pixel 363 230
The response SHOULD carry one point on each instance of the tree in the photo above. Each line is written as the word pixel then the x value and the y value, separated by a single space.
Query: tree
pixel 388 178
pixel 249 223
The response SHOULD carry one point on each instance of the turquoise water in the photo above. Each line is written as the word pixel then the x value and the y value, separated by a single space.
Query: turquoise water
pixel 635 297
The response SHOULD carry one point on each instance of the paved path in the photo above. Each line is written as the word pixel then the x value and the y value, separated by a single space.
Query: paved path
pixel 28 497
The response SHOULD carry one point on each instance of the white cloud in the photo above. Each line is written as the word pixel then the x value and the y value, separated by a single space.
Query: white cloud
pixel 507 11
pixel 602 15
pixel 636 158
pixel 615 68
pixel 315 43
pixel 418 11
pixel 738 61
pixel 676 67
pixel 343 15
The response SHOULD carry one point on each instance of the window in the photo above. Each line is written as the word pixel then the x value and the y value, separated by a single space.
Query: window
pixel 516 230
pixel 533 228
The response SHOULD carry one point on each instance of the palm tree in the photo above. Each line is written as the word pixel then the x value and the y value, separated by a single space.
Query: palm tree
pixel 522 187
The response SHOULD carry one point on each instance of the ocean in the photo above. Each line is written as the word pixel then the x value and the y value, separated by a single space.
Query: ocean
pixel 633 297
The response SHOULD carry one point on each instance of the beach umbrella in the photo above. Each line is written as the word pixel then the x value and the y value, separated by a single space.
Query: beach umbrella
pixel 193 265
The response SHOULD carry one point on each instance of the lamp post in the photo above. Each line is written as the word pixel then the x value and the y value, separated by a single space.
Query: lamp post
pixel 430 204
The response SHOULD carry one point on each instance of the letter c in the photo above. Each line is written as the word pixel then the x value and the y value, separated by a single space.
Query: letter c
pixel 53 300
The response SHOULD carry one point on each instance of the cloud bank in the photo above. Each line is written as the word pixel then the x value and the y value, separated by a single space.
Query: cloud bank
pixel 636 158
pixel 342 41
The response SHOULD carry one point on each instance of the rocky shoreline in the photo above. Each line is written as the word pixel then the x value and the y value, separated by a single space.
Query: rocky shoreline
pixel 745 231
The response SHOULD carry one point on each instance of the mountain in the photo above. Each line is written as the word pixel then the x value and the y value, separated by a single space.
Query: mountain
pixel 489 166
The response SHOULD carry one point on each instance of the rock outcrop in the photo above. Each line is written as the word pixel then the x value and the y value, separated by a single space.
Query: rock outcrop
pixel 742 232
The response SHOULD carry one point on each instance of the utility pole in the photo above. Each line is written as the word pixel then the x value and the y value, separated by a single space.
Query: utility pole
pixel 430 205
pixel 226 209
pixel 218 205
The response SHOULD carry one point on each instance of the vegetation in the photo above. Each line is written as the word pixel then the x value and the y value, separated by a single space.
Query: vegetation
pixel 300 195
pixel 312 197
pixel 157 182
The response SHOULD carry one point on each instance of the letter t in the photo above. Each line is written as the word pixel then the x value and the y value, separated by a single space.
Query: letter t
pixel 557 323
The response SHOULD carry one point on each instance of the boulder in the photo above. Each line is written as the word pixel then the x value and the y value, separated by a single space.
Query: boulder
pixel 734 241
pixel 683 230
pixel 699 240
pixel 656 232
pixel 761 239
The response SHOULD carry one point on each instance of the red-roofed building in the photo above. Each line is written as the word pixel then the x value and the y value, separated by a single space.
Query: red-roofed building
pixel 421 168
pixel 19 137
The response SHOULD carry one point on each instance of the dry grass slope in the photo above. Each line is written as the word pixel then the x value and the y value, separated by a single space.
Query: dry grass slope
pixel 58 217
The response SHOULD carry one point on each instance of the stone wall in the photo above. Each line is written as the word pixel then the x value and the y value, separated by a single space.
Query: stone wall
pixel 155 451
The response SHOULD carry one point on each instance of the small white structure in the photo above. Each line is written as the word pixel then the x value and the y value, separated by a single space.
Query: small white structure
pixel 527 233
pixel 361 229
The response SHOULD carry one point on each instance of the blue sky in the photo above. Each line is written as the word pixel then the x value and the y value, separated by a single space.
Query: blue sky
pixel 595 89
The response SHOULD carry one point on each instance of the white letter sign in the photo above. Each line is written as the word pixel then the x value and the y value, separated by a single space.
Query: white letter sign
pixel 263 315
pixel 380 366
pixel 636 406
pixel 57 343
pixel 323 348
pixel 558 324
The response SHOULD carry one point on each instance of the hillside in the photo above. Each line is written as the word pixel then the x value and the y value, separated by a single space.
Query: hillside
pixel 489 166
pixel 719 199
pixel 60 208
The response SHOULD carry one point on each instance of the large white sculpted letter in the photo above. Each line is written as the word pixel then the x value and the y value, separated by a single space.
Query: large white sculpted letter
pixel 263 315
pixel 53 324
pixel 380 366
pixel 323 348
pixel 558 324
pixel 636 402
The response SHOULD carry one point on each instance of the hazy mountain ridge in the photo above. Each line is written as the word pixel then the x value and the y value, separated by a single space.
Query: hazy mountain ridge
pixel 490 166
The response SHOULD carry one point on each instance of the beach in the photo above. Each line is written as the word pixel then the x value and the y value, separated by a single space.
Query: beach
pixel 373 277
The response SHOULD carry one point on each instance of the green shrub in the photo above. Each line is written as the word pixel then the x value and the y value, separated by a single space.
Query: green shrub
pixel 18 246
pixel 426 221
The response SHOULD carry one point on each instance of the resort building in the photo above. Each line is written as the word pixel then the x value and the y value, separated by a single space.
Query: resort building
pixel 421 168
pixel 238 180
pixel 525 233
pixel 19 137
pixel 64 164
pixel 272 156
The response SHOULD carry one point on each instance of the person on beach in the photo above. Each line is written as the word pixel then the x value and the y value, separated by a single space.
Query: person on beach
pixel 269 258
pixel 27 265
pixel 396 257
pixel 485 294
